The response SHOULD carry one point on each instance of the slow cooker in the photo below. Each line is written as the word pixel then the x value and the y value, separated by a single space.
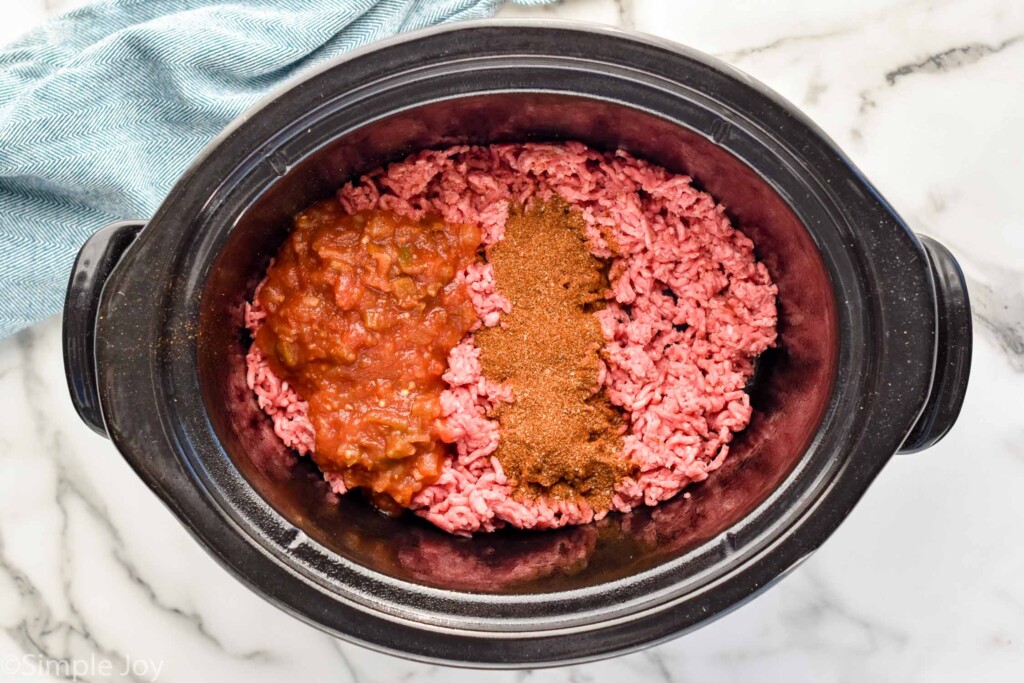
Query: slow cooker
pixel 873 357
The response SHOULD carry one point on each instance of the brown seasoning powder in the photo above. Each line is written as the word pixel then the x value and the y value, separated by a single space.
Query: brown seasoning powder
pixel 560 436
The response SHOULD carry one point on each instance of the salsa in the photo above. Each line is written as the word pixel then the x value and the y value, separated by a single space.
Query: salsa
pixel 362 311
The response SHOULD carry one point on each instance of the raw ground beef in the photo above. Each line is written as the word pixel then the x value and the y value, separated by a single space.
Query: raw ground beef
pixel 690 309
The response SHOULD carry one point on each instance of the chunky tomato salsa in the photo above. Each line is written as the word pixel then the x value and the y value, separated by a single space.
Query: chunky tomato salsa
pixel 362 311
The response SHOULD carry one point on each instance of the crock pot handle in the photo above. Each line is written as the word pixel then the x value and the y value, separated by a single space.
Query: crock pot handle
pixel 952 350
pixel 96 260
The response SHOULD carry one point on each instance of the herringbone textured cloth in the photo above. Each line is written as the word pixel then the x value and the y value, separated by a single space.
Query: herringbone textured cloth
pixel 103 108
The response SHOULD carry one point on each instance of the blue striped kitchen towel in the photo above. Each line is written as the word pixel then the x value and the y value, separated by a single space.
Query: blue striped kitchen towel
pixel 102 109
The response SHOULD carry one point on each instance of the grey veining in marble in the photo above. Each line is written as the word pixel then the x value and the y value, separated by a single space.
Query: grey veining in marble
pixel 924 582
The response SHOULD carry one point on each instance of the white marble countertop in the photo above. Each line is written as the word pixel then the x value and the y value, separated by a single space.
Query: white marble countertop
pixel 924 582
